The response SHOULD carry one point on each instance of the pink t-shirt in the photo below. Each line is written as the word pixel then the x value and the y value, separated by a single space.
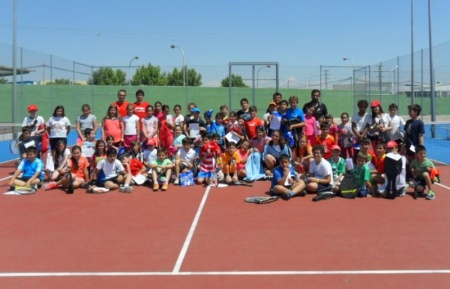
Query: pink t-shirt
pixel 112 127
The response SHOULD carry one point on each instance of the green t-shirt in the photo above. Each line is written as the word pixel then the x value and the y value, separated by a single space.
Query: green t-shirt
pixel 363 175
pixel 421 167
pixel 337 167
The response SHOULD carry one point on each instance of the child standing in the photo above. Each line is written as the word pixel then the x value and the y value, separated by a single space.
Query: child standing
pixel 420 169
pixel 414 131
pixel 360 124
pixel 161 170
pixel 150 127
pixel 58 126
pixel 131 124
pixel 113 125
pixel 84 121
pixel 310 124
pixel 345 136
pixel 397 124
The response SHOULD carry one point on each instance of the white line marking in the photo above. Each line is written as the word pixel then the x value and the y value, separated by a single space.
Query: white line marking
pixel 5 178
pixel 185 247
pixel 224 273
pixel 441 185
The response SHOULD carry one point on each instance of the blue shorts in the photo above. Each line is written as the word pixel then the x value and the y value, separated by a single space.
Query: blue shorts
pixel 203 175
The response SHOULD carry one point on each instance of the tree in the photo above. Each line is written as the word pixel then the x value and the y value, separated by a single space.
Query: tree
pixel 61 81
pixel 3 80
pixel 149 75
pixel 236 81
pixel 107 76
pixel 175 78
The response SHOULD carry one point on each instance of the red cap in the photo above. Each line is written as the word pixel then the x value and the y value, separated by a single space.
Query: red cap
pixel 32 107
pixel 375 103
pixel 336 147
pixel 273 103
pixel 391 144
pixel 150 142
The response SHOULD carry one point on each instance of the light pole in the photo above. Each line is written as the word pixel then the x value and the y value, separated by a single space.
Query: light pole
pixel 309 81
pixel 184 60
pixel 129 69
pixel 257 74
pixel 353 72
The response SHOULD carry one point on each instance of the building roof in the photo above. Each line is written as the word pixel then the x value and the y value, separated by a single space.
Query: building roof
pixel 8 71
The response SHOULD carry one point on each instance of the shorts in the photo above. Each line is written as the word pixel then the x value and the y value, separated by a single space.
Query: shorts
pixel 203 175
pixel 101 183
pixel 273 193
pixel 24 179
pixel 323 188
pixel 128 139
pixel 421 182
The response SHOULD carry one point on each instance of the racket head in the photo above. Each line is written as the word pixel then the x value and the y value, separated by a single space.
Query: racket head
pixel 24 190
pixel 14 147
pixel 261 199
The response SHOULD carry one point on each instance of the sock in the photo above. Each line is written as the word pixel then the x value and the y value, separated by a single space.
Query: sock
pixel 291 193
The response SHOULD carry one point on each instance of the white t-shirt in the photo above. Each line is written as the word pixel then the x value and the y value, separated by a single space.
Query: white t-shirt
pixel 361 121
pixel 397 122
pixel 110 170
pixel 149 124
pixel 62 157
pixel 130 124
pixel 186 155
pixel 321 170
pixel 58 126
pixel 383 119
pixel 28 121
pixel 179 119
pixel 152 155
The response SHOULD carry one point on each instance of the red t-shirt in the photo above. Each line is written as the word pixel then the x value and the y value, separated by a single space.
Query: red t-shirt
pixel 251 126
pixel 139 110
pixel 135 166
pixel 380 164
pixel 122 108
pixel 327 143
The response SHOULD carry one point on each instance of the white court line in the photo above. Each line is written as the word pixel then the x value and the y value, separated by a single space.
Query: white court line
pixel 185 247
pixel 5 178
pixel 441 185
pixel 223 273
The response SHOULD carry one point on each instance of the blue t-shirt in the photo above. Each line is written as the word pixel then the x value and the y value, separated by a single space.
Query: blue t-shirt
pixel 296 113
pixel 278 173
pixel 216 128
pixel 30 168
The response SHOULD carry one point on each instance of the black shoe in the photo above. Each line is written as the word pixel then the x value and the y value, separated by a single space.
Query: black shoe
pixel 303 193
pixel 12 188
pixel 285 196
pixel 415 195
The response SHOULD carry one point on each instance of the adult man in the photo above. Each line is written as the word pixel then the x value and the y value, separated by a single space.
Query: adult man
pixel 320 109
pixel 121 103
pixel 140 106
pixel 277 98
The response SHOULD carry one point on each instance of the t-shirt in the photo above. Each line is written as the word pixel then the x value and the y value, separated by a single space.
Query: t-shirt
pixel 121 108
pixel 178 141
pixel 208 164
pixel 28 121
pixel 421 167
pixel 164 162
pixel 58 126
pixel 61 157
pixel 361 121
pixel 139 111
pixel 179 119
pixel 321 170
pixel 327 143
pixel 86 121
pixel 278 173
pixel 135 166
pixel 83 164
pixel 130 124
pixel 337 167
pixel 87 148
pixel 227 160
pixel 397 122
pixel 251 126
pixel 259 144
pixel 413 130
pixel 320 109
pixel 189 155
pixel 111 127
pixel 30 168
pixel 363 174
pixel 150 124
pixel 109 170
pixel 380 164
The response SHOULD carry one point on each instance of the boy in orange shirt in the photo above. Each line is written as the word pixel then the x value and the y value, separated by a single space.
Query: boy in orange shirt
pixel 253 123
pixel 229 160
pixel 325 139
pixel 378 176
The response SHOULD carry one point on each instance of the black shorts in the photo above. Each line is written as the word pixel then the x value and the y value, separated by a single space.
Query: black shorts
pixel 101 183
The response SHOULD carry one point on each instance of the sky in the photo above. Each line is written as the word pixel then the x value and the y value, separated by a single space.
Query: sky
pixel 294 33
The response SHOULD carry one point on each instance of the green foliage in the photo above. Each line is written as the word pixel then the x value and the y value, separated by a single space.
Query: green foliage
pixel 236 81
pixel 149 75
pixel 61 81
pixel 3 80
pixel 193 78
pixel 108 76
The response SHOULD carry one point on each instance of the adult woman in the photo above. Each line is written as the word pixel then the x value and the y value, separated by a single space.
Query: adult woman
pixel 272 152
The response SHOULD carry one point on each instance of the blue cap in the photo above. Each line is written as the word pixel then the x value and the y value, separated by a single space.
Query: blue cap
pixel 209 113
pixel 195 109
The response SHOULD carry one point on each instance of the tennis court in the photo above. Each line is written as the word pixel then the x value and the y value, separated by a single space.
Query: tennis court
pixel 198 237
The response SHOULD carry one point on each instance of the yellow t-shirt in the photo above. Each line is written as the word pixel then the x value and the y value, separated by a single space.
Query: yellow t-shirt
pixel 227 160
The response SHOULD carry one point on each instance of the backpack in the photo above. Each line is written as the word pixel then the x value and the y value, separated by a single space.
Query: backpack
pixel 349 186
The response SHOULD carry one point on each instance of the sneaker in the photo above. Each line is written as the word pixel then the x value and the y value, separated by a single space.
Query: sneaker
pixel 403 191
pixel 12 188
pixel 176 182
pixel 51 186
pixel 156 187
pixel 164 187
pixel 431 195
pixel 285 196
pixel 303 193
pixel 126 189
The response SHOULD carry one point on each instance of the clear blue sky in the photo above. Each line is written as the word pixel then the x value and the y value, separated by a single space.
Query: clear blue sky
pixel 215 32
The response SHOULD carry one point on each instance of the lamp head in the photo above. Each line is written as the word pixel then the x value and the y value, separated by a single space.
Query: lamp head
pixel 172 46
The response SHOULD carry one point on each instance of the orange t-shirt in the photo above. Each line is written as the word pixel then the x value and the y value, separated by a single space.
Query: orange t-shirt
pixel 226 158
pixel 122 108
pixel 83 163
pixel 251 126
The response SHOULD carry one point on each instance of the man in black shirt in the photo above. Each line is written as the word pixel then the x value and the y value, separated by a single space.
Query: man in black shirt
pixel 320 109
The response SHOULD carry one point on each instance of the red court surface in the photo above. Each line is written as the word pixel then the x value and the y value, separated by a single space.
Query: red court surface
pixel 196 237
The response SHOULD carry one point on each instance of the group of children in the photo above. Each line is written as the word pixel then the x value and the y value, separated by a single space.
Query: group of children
pixel 157 147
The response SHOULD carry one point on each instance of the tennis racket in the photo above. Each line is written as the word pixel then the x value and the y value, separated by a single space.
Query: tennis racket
pixel 24 190
pixel 261 199
pixel 242 183
pixel 14 147
pixel 70 189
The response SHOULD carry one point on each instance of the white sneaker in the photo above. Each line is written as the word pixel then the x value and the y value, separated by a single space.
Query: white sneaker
pixel 403 191
pixel 126 189
pixel 176 182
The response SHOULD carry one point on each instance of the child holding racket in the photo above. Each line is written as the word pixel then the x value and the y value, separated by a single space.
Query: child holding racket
pixel 32 170
pixel 208 154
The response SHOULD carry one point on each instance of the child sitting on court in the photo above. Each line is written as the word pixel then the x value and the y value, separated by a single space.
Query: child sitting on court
pixel 378 176
pixel 284 182
pixel 338 165
pixel 362 171
pixel 421 168
pixel 184 160
pixel 135 168
pixel 161 170
pixel 230 159
pixel 110 173
pixel 26 141
pixel 32 170
pixel 365 148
